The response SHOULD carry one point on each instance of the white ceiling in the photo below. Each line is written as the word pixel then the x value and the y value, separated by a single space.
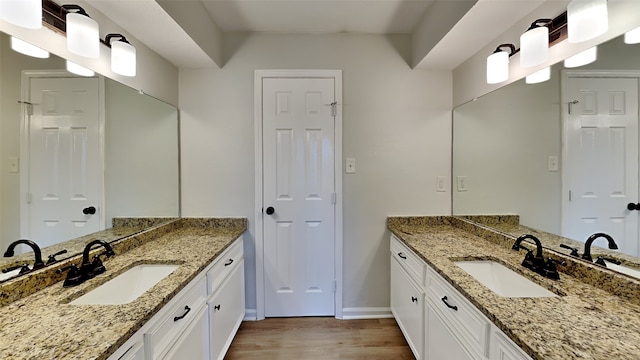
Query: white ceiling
pixel 147 21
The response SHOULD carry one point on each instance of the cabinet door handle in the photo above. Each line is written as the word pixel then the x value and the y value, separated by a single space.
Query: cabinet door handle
pixel 217 307
pixel 414 299
pixel 444 300
pixel 229 262
pixel 186 311
pixel 401 255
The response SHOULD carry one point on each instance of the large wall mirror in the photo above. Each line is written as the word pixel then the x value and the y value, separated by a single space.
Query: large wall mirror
pixel 134 163
pixel 528 150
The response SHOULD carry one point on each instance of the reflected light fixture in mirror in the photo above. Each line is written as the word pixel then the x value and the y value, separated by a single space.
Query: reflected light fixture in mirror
pixel 632 36
pixel 539 76
pixel 25 48
pixel 24 13
pixel 498 64
pixel 78 70
pixel 534 44
pixel 123 55
pixel 582 58
pixel 83 36
pixel 586 19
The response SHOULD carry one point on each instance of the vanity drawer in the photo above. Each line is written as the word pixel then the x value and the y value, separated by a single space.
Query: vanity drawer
pixel 181 311
pixel 472 327
pixel 224 265
pixel 408 259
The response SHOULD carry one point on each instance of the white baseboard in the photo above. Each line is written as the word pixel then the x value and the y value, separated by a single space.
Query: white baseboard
pixel 250 315
pixel 366 313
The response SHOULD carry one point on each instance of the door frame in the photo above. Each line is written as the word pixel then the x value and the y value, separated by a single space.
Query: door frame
pixel 25 120
pixel 564 111
pixel 259 76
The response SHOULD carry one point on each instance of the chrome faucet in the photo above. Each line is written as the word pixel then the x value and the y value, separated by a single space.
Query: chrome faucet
pixel 591 239
pixel 38 264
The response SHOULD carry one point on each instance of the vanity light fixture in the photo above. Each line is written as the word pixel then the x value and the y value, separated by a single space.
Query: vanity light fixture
pixel 534 43
pixel 79 70
pixel 123 55
pixel 586 19
pixel 24 13
pixel 498 63
pixel 582 58
pixel 83 37
pixel 632 36
pixel 25 48
pixel 539 76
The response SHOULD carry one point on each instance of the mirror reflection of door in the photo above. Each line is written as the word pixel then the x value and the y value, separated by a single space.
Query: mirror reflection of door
pixel 601 158
pixel 64 182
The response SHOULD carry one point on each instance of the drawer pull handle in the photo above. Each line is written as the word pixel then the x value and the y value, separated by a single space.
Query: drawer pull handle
pixel 414 299
pixel 186 311
pixel 454 307
pixel 401 255
pixel 229 262
pixel 217 307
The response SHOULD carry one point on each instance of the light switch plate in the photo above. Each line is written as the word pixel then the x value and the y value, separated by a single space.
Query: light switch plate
pixel 552 163
pixel 350 166
pixel 14 164
pixel 441 184
pixel 461 183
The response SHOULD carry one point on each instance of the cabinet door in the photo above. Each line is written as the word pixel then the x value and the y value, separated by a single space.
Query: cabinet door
pixel 193 344
pixel 131 352
pixel 226 309
pixel 441 344
pixel 407 305
pixel 502 348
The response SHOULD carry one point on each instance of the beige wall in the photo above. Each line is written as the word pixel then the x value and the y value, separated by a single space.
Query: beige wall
pixel 397 125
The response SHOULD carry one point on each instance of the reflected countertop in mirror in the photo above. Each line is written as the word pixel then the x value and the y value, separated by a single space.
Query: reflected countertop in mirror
pixel 508 152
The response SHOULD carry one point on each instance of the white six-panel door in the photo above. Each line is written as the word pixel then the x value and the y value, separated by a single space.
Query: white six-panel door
pixel 298 183
pixel 64 159
pixel 601 159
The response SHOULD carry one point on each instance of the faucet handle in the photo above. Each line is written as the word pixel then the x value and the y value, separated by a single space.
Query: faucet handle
pixel 24 268
pixel 74 275
pixel 574 251
pixel 550 270
pixel 52 257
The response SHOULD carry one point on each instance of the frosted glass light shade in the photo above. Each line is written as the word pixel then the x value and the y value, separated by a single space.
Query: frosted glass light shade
pixel 539 76
pixel 582 58
pixel 78 70
pixel 83 37
pixel 24 13
pixel 25 48
pixel 497 67
pixel 534 46
pixel 586 19
pixel 632 36
pixel 123 58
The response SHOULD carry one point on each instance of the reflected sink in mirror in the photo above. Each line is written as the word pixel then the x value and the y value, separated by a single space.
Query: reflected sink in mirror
pixel 127 286
pixel 502 280
pixel 8 274
pixel 633 272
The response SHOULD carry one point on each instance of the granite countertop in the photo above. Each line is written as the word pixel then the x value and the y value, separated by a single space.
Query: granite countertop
pixel 43 326
pixel 585 322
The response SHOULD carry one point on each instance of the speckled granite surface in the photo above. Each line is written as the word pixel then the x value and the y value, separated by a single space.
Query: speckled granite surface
pixel 42 326
pixel 586 322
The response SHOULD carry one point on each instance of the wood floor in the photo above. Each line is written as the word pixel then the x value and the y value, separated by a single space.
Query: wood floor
pixel 319 338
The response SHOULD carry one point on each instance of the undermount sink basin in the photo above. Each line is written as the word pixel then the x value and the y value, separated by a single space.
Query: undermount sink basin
pixel 502 280
pixel 9 274
pixel 127 286
pixel 623 269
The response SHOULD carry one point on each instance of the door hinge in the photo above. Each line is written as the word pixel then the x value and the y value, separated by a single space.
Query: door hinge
pixel 335 286
pixel 27 197
pixel 29 106
pixel 333 198
pixel 572 103
pixel 569 195
pixel 334 108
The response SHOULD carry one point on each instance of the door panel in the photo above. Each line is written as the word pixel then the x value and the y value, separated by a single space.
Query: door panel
pixel 298 182
pixel 602 160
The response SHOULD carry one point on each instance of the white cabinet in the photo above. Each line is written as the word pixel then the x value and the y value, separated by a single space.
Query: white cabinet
pixel 437 321
pixel 200 321
pixel 441 344
pixel 407 305
pixel 226 308
pixel 193 343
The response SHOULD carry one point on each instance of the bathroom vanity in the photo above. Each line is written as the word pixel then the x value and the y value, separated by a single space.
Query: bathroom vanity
pixel 192 312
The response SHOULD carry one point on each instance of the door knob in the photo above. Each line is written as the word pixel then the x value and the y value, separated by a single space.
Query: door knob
pixel 270 210
pixel 89 210
pixel 632 206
